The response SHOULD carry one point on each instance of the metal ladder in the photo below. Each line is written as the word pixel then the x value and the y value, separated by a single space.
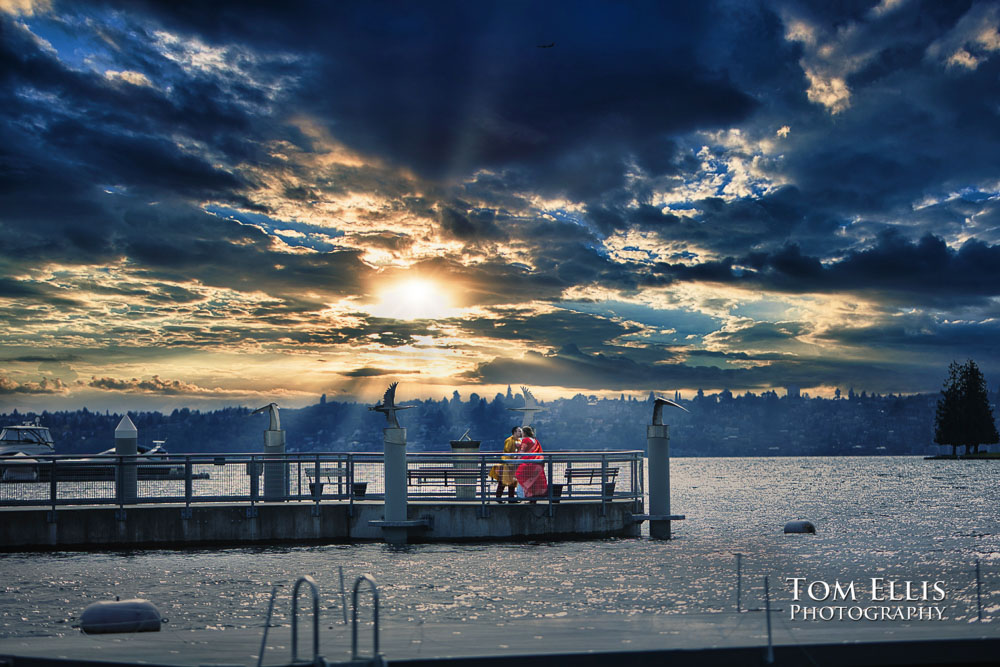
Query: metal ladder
pixel 376 660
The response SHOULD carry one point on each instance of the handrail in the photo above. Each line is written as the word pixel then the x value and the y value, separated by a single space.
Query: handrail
pixel 354 615
pixel 190 479
pixel 305 579
pixel 267 624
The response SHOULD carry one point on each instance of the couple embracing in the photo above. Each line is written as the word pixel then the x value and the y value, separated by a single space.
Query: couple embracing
pixel 530 476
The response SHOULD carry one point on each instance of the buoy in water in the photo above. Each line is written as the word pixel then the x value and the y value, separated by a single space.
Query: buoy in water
pixel 800 527
pixel 121 616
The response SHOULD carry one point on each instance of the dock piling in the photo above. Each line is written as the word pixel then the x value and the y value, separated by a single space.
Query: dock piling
pixel 394 439
pixel 127 449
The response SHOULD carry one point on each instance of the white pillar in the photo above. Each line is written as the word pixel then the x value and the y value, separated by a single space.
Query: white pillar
pixel 127 444
pixel 394 442
pixel 275 472
pixel 658 453
pixel 466 490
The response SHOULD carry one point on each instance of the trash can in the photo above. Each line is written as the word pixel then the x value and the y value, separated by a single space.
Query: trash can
pixel 556 492
pixel 465 488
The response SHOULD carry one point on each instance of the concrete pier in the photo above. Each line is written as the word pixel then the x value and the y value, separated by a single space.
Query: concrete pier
pixel 152 525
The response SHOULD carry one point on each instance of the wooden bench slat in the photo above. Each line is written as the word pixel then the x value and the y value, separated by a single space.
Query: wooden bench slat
pixel 593 475
pixel 440 476
pixel 326 472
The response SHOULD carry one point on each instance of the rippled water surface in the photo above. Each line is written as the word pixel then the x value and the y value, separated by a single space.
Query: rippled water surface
pixel 903 518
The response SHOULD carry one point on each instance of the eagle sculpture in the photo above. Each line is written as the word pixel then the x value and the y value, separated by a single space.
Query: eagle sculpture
pixel 388 406
pixel 531 406
pixel 658 408
pixel 272 409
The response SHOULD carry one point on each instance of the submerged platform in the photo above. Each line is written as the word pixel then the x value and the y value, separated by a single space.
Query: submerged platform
pixel 25 529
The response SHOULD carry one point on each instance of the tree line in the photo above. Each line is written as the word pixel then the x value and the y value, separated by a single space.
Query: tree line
pixel 720 424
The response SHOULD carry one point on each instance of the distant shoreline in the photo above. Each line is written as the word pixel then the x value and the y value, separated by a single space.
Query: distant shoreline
pixel 980 455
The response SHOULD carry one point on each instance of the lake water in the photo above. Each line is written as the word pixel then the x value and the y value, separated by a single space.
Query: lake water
pixel 894 517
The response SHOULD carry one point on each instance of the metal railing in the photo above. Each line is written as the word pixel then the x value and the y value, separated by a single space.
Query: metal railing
pixel 189 479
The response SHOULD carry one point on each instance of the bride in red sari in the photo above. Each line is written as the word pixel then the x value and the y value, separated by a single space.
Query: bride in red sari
pixel 531 475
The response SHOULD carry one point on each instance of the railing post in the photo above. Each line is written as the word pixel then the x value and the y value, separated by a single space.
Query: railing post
pixel 317 489
pixel 769 656
pixel 349 463
pixel 604 484
pixel 188 481
pixel 483 494
pixel 739 583
pixel 53 485
pixel 552 509
pixel 979 591
pixel 254 481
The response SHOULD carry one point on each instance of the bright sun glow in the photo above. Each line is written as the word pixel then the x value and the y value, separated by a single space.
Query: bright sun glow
pixel 412 300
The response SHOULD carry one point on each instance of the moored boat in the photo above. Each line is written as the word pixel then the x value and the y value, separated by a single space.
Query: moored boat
pixel 29 439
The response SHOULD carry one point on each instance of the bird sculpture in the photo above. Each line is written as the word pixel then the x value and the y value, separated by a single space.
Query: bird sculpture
pixel 531 406
pixel 272 409
pixel 658 408
pixel 388 406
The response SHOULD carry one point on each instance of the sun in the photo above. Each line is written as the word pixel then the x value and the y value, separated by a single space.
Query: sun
pixel 415 299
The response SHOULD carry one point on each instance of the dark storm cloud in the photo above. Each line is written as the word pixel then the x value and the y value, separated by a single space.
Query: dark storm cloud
pixel 925 271
pixel 766 333
pixel 142 162
pixel 374 372
pixel 547 329
pixel 469 226
pixel 42 359
pixel 571 368
pixel 35 293
pixel 447 92
pixel 923 334
pixel 922 272
pixel 72 143
pixel 183 243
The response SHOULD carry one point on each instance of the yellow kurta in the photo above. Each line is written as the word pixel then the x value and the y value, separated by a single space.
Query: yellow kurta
pixel 504 472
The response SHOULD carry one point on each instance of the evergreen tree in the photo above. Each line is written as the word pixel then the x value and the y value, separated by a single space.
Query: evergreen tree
pixel 963 414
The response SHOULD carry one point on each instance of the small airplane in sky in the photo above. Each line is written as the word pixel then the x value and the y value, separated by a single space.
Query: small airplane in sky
pixel 545 46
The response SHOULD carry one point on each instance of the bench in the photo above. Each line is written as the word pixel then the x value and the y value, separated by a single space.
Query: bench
pixel 441 476
pixel 325 473
pixel 590 476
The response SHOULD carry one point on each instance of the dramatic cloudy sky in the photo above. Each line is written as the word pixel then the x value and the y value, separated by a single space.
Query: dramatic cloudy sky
pixel 215 203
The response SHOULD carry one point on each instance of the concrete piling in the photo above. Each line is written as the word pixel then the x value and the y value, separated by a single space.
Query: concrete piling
pixel 658 453
pixel 394 439
pixel 127 446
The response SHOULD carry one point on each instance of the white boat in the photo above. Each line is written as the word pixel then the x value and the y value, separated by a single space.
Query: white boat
pixel 18 446
pixel 29 439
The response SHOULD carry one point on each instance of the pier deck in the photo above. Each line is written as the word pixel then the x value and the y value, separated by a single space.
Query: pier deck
pixel 688 639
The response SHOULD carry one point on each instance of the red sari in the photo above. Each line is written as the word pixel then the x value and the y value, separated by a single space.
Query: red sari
pixel 531 475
